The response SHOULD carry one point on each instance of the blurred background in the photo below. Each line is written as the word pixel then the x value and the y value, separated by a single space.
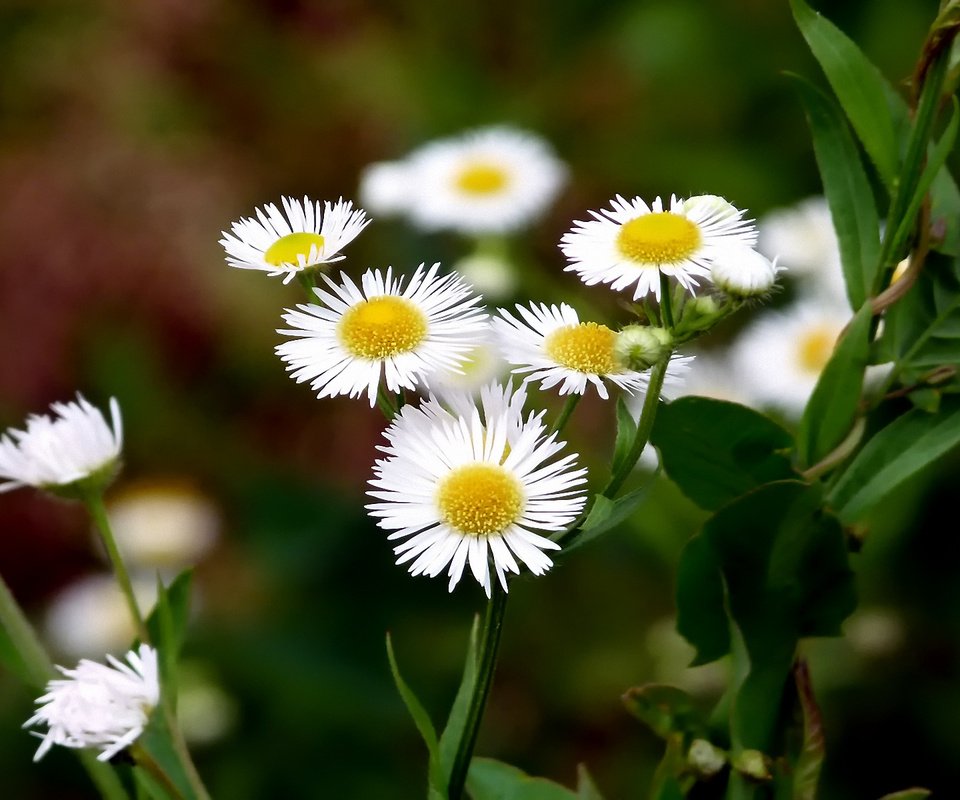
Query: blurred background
pixel 132 134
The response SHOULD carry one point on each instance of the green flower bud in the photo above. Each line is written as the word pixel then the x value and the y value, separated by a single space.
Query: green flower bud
pixel 639 347
pixel 705 758
pixel 753 764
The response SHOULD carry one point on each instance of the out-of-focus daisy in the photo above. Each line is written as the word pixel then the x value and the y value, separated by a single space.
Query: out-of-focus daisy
pixel 491 275
pixel 95 705
pixel 482 363
pixel 163 524
pixel 461 489
pixel 385 187
pixel 779 357
pixel 75 445
pixel 290 241
pixel 711 375
pixel 90 616
pixel 489 180
pixel 555 347
pixel 632 243
pixel 205 712
pixel 343 345
pixel 743 272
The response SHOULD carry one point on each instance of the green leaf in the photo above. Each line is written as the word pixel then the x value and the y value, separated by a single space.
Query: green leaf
pixel 150 787
pixel 421 719
pixel 626 430
pixel 716 451
pixel 806 772
pixel 848 192
pixel 893 455
pixel 666 710
pixel 908 794
pixel 157 742
pixel 701 616
pixel 586 788
pixel 489 779
pixel 858 85
pixel 832 408
pixel 167 625
pixel 453 732
pixel 605 515
pixel 10 658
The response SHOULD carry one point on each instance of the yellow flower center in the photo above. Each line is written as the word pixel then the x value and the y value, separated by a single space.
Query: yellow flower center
pixel 815 347
pixel 382 327
pixel 481 179
pixel 287 248
pixel 480 499
pixel 658 238
pixel 587 347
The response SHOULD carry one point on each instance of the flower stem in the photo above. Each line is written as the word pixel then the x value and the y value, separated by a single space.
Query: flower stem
pixel 183 753
pixel 666 311
pixel 385 404
pixel 487 660
pixel 39 669
pixel 98 512
pixel 565 412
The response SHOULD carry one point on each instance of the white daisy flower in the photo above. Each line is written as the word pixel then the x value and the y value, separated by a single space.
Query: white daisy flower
pixel 385 187
pixel 344 344
pixel 75 444
pixel 555 347
pixel 490 180
pixel 633 243
pixel 779 357
pixel 288 242
pixel 467 488
pixel 106 707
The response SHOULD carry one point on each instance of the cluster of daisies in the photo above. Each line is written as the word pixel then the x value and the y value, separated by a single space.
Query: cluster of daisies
pixel 468 477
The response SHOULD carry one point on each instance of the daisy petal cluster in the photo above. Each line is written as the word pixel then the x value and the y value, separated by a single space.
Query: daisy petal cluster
pixel 632 243
pixel 551 345
pixel 74 444
pixel 99 706
pixel 357 333
pixel 496 179
pixel 474 486
pixel 287 242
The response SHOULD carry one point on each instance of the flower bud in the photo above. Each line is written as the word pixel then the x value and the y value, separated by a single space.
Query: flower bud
pixel 752 764
pixel 743 272
pixel 705 758
pixel 490 275
pixel 639 347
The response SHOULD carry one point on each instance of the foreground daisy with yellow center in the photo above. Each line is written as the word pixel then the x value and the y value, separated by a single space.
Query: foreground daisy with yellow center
pixel 299 237
pixel 405 333
pixel 551 345
pixel 474 482
pixel 632 243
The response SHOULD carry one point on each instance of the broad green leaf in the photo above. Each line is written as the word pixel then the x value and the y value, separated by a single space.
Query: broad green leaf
pixel 830 413
pixel 893 455
pixel 666 710
pixel 605 515
pixel 716 451
pixel 420 718
pixel 848 192
pixel 489 779
pixel 586 788
pixel 453 732
pixel 701 616
pixel 908 794
pixel 157 741
pixel 858 85
pixel 626 430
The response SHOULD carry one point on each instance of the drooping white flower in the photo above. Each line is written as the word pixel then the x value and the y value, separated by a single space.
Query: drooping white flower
pixel 355 334
pixel 551 345
pixel 743 272
pixel 99 706
pixel 474 484
pixel 632 243
pixel 288 242
pixel 490 180
pixel 72 445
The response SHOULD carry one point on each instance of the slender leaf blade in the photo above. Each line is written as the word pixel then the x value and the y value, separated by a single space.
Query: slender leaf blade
pixel 457 720
pixel 605 515
pixel 626 431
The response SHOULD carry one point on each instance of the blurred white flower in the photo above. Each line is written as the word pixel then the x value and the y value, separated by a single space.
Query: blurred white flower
pixel 492 276
pixel 95 705
pixel 288 242
pixel 358 333
pixel 90 616
pixel 462 489
pixel 482 364
pixel 163 525
pixel 74 444
pixel 385 187
pixel 206 713
pixel 489 180
pixel 633 243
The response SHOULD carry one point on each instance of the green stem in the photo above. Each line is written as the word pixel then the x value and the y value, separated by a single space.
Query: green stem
pixel 183 753
pixel 666 311
pixel 385 404
pixel 565 413
pixel 487 660
pixel 98 512
pixel 39 669
pixel 308 281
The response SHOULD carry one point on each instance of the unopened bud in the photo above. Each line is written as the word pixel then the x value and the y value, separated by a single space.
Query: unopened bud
pixel 720 207
pixel 639 347
pixel 743 272
pixel 705 758
pixel 753 764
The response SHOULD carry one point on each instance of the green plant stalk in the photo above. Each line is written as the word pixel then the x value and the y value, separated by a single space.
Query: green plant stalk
pixel 40 670
pixel 666 311
pixel 385 404
pixel 98 512
pixel 183 752
pixel 564 416
pixel 486 664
